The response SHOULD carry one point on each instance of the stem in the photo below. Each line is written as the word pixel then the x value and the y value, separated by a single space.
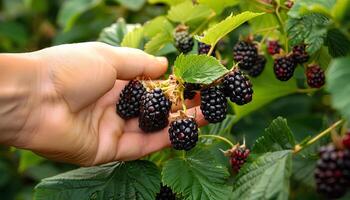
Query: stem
pixel 298 147
pixel 211 50
pixel 282 27
pixel 219 138
pixel 307 90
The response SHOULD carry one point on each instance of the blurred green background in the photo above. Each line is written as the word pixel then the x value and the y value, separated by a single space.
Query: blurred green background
pixel 28 25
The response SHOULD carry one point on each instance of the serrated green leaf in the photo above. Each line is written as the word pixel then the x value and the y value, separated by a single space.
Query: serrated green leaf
pixel 338 85
pixel 197 176
pixel 157 43
pixel 169 2
pixel 114 34
pixel 266 89
pixel 303 171
pixel 277 137
pixel 186 12
pixel 71 10
pixel 300 8
pixel 218 31
pixel 157 25
pixel 198 68
pixel 122 181
pixel 219 6
pixel 338 44
pixel 266 177
pixel 134 5
pixel 133 38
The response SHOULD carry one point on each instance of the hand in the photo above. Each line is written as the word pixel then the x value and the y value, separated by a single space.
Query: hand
pixel 73 117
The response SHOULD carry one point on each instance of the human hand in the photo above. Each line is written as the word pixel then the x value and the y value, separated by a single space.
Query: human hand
pixel 73 117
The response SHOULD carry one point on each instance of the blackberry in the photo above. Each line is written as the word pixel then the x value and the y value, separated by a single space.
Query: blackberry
pixel 315 76
pixel 154 111
pixel 238 87
pixel 238 158
pixel 183 134
pixel 245 53
pixel 190 90
pixel 284 68
pixel 204 49
pixel 129 100
pixel 165 194
pixel 346 141
pixel 213 104
pixel 299 54
pixel 183 41
pixel 273 47
pixel 259 66
pixel 332 171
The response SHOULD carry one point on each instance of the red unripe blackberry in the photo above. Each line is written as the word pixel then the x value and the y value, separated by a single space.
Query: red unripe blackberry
pixel 165 194
pixel 346 140
pixel 273 47
pixel 154 111
pixel 213 104
pixel 315 76
pixel 332 171
pixel 183 134
pixel 238 158
pixel 245 53
pixel 129 100
pixel 284 68
pixel 204 49
pixel 289 3
pixel 299 54
pixel 183 41
pixel 237 87
pixel 259 66
pixel 190 90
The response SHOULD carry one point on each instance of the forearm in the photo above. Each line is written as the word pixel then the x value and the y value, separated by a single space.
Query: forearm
pixel 18 82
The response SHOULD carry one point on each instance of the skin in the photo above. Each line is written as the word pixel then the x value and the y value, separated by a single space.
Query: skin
pixel 60 103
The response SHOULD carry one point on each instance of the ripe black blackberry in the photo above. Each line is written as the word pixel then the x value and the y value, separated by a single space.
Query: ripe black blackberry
pixel 154 111
pixel 299 54
pixel 238 158
pixel 273 47
pixel 332 171
pixel 204 49
pixel 284 68
pixel 190 90
pixel 183 134
pixel 213 104
pixel 245 53
pixel 315 76
pixel 259 66
pixel 129 100
pixel 238 87
pixel 165 194
pixel 183 40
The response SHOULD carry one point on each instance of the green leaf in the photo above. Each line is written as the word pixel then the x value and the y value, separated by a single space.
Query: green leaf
pixel 218 6
pixel 301 8
pixel 71 10
pixel 158 25
pixel 341 11
pixel 338 43
pixel 198 68
pixel 277 137
pixel 266 177
pixel 114 34
pixel 186 12
pixel 133 38
pixel 197 176
pixel 218 31
pixel 169 2
pixel 266 89
pixel 338 85
pixel 28 159
pixel 134 5
pixel 157 43
pixel 122 181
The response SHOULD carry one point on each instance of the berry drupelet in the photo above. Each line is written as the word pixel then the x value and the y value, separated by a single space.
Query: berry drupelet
pixel 183 41
pixel 259 66
pixel 238 158
pixel 165 194
pixel 273 47
pixel 213 104
pixel 284 68
pixel 204 49
pixel 315 76
pixel 245 53
pixel 183 134
pixel 190 90
pixel 299 54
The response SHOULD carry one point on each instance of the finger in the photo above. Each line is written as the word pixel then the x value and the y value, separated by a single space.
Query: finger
pixel 130 63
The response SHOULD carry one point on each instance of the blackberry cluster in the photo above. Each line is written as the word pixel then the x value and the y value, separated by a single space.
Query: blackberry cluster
pixel 204 49
pixel 315 76
pixel 154 111
pixel 183 134
pixel 299 54
pixel 213 104
pixel 332 172
pixel 284 68
pixel 129 100
pixel 238 87
pixel 165 194
pixel 245 53
pixel 259 66
pixel 190 90
pixel 183 41
pixel 238 158
pixel 273 47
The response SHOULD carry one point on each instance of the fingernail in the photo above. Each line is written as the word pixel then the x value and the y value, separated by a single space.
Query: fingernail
pixel 163 60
